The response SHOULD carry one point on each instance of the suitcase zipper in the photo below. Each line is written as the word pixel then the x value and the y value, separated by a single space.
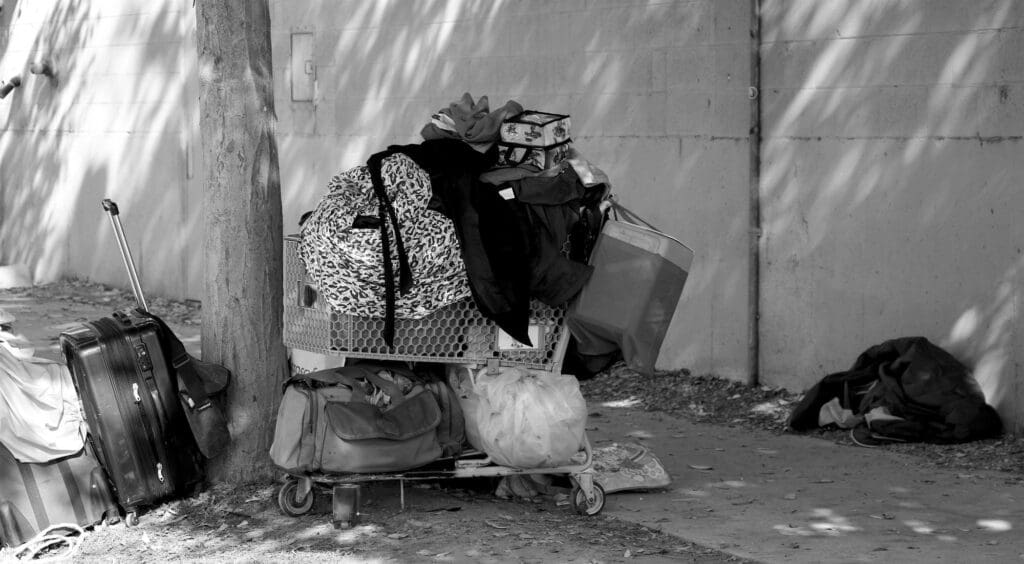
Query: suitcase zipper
pixel 122 362
pixel 142 363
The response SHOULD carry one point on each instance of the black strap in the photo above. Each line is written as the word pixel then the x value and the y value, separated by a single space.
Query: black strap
pixel 352 377
pixel 386 211
pixel 511 147
pixel 34 499
pixel 182 363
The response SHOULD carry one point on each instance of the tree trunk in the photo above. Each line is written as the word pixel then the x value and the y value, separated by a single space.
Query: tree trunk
pixel 242 248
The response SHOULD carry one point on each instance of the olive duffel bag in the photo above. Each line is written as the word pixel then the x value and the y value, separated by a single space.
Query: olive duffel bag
pixel 356 419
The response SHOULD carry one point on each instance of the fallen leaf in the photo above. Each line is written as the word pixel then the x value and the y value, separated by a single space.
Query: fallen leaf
pixel 789 496
pixel 398 535
pixel 699 467
pixel 495 525
pixel 640 435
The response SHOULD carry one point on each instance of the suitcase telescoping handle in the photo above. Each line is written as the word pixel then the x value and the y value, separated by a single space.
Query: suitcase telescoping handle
pixel 115 220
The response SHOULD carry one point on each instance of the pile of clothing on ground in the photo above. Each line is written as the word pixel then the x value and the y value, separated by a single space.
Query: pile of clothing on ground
pixel 902 390
pixel 493 204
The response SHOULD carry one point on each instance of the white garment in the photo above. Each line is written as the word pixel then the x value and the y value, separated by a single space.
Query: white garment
pixel 834 412
pixel 40 415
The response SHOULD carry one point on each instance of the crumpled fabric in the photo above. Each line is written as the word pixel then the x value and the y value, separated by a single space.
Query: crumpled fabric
pixel 40 415
pixel 833 413
pixel 927 394
pixel 528 486
pixel 472 122
pixel 346 262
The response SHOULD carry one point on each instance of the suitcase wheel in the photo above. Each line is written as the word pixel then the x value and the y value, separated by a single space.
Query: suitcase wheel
pixel 131 519
pixel 287 499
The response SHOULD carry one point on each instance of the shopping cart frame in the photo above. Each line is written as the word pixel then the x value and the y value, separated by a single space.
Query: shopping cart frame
pixel 311 325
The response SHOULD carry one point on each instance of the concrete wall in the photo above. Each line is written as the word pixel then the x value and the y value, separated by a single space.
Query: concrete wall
pixel 890 182
pixel 892 185
pixel 117 121
pixel 657 92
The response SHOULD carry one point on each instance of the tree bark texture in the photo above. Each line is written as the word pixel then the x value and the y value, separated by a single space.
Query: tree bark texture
pixel 242 247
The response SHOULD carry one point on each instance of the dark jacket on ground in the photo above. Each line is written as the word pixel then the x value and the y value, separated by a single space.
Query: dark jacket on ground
pixel 932 392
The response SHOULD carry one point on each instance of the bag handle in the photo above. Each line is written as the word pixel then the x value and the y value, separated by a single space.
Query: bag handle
pixel 181 361
pixel 350 376
pixel 627 215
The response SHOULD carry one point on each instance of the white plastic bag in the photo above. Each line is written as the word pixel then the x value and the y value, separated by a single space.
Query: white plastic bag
pixel 525 418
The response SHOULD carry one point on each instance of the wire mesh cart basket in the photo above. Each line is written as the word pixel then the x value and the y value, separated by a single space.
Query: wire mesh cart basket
pixel 457 336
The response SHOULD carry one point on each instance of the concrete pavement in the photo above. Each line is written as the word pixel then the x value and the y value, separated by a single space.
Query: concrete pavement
pixel 793 498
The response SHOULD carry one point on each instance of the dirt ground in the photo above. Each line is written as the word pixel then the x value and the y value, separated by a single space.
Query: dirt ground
pixel 449 521
pixel 444 521
pixel 440 523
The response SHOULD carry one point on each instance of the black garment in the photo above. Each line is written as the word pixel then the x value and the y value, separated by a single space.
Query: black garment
pixel 933 394
pixel 514 249
pixel 850 387
pixel 494 244
pixel 549 208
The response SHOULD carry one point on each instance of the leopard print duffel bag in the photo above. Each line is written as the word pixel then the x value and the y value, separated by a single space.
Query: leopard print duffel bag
pixel 342 252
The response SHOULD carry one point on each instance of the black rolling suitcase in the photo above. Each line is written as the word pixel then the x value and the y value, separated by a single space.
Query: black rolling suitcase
pixel 130 400
pixel 34 497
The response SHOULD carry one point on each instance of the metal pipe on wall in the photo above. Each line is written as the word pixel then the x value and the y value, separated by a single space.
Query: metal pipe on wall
pixel 754 255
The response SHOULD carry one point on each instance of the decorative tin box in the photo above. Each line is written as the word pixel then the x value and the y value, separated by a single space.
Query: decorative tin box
pixel 540 158
pixel 536 129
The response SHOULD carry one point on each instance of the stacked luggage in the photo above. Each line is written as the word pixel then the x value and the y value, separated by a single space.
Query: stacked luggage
pixel 481 247
pixel 370 278
pixel 147 415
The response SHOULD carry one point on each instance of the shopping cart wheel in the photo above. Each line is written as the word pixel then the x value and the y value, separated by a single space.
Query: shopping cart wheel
pixel 580 504
pixel 286 499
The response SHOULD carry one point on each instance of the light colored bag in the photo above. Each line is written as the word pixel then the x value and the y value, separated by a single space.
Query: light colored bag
pixel 632 295
pixel 334 421
pixel 40 415
pixel 524 418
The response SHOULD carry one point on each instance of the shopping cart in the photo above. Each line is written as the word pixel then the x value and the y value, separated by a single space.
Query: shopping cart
pixel 457 336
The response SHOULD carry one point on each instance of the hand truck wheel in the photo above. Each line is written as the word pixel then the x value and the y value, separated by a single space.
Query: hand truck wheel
pixel 581 505
pixel 287 499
